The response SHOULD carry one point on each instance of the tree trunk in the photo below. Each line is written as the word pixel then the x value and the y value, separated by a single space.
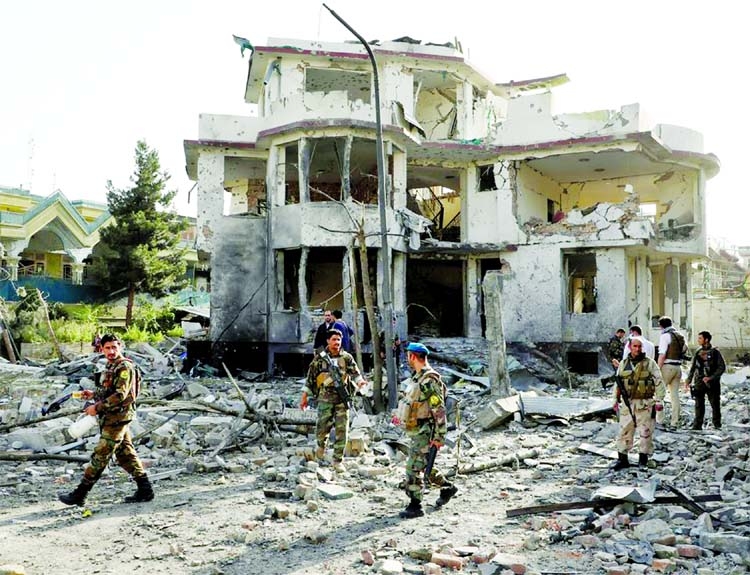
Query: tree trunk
pixel 129 308
pixel 370 307
pixel 53 337
pixel 355 303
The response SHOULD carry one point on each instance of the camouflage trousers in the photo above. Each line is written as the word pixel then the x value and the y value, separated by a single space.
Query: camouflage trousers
pixel 332 415
pixel 114 439
pixel 416 463
pixel 642 408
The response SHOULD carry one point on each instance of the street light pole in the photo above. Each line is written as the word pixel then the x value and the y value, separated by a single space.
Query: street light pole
pixel 386 251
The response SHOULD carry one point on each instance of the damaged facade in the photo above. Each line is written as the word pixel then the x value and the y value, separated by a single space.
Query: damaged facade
pixel 593 219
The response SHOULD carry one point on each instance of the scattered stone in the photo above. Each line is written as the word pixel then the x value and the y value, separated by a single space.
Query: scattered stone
pixel 655 531
pixel 333 491
pixel 726 543
pixel 389 567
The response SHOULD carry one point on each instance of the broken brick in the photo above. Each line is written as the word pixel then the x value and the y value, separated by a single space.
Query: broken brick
pixel 689 551
pixel 663 565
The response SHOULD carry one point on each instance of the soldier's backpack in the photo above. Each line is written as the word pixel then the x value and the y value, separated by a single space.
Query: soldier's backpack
pixel 678 340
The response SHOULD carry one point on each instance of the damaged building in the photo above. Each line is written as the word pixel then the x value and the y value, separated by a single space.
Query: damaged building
pixel 592 219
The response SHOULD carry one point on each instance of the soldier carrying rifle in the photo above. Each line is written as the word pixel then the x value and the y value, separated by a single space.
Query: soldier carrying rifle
pixel 332 378
pixel 423 415
pixel 641 386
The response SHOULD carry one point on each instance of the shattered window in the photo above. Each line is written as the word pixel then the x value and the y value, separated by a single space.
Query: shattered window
pixel 580 271
pixel 487 178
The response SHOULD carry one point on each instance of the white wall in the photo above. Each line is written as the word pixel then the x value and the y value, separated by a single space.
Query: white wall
pixel 727 319
pixel 532 294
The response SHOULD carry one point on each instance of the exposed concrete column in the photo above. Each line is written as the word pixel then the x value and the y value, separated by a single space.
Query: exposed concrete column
pixel 672 291
pixel 303 169
pixel 276 175
pixel 399 287
pixel 301 278
pixel 469 185
pixel 12 263
pixel 399 179
pixel 472 297
pixel 346 280
pixel 493 311
pixel 210 198
pixel 346 181
pixel 642 315
pixel 78 255
pixel 464 110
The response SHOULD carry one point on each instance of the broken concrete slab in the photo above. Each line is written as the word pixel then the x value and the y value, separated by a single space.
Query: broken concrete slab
pixel 642 494
pixel 498 412
pixel 333 491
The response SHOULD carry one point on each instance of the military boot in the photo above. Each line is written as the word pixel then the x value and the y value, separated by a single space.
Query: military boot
pixel 445 495
pixel 320 453
pixel 144 492
pixel 77 496
pixel 643 460
pixel 414 509
pixel 622 462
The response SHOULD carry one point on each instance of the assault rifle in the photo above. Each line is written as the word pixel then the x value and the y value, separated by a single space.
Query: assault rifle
pixel 623 392
pixel 338 382
pixel 431 455
pixel 57 403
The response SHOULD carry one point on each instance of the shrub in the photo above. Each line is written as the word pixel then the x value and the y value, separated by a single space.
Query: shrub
pixel 135 334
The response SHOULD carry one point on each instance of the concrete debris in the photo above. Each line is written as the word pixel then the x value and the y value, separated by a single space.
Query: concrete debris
pixel 243 446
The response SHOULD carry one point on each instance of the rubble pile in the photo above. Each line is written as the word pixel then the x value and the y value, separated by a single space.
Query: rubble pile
pixel 536 494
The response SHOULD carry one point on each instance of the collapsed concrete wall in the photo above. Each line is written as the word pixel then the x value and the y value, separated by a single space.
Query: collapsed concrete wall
pixel 238 285
pixel 543 301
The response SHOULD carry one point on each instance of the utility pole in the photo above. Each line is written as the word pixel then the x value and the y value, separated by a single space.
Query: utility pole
pixel 390 366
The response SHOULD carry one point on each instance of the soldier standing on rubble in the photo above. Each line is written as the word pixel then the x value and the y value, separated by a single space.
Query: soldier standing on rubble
pixel 333 411
pixel 616 346
pixel 423 415
pixel 704 380
pixel 642 381
pixel 114 397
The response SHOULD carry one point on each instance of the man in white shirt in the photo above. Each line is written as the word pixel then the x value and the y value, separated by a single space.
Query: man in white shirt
pixel 648 347
pixel 669 361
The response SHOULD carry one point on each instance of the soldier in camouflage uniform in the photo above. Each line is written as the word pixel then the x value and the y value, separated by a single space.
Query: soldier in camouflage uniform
pixel 616 347
pixel 422 413
pixel 114 404
pixel 642 380
pixel 332 409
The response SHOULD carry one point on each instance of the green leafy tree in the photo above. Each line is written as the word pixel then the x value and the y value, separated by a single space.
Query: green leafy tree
pixel 140 250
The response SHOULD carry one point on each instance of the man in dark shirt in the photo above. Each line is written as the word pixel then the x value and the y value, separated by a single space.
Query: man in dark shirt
pixel 321 334
pixel 704 380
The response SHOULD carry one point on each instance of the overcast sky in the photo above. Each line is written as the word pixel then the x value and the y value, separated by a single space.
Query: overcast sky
pixel 81 81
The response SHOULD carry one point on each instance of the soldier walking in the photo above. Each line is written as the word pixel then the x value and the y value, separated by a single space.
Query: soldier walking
pixel 644 390
pixel 423 416
pixel 114 397
pixel 328 366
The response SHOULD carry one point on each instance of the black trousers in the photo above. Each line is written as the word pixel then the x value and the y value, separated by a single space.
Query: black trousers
pixel 713 392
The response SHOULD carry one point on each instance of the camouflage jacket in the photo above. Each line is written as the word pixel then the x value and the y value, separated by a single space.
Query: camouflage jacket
pixel 642 378
pixel 320 384
pixel 616 348
pixel 116 392
pixel 425 405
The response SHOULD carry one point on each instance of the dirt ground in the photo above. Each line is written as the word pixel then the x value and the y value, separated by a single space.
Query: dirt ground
pixel 224 521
